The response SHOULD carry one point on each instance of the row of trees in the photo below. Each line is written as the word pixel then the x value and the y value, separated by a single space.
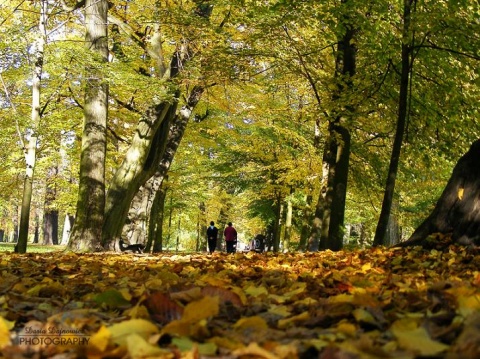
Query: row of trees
pixel 286 117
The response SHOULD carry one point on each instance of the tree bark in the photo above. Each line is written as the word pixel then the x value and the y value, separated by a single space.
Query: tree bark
pixel 30 150
pixel 50 215
pixel 457 211
pixel 339 193
pixel 277 227
pixel 87 229
pixel 141 160
pixel 155 230
pixel 383 220
pixel 330 211
pixel 142 202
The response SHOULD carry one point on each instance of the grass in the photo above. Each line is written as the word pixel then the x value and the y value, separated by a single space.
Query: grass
pixel 31 248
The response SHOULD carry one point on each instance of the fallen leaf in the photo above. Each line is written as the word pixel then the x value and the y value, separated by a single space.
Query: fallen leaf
pixel 415 338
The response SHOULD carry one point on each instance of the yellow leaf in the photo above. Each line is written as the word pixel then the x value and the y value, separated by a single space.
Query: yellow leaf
pixel 416 339
pixel 281 310
pixel 256 291
pixel 468 304
pixel 283 323
pixel 227 343
pixel 179 327
pixel 254 350
pixel 201 309
pixel 366 267
pixel 138 311
pixel 252 323
pixel 363 316
pixel 341 298
pixel 122 330
pixel 138 347
pixel 100 339
pixel 348 329
pixel 460 193
pixel 5 327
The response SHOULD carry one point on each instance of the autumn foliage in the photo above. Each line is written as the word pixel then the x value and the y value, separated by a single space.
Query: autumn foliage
pixel 373 303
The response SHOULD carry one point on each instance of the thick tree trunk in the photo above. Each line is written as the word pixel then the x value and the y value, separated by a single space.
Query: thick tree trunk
pixel 87 229
pixel 330 211
pixel 155 230
pixel 339 193
pixel 142 201
pixel 383 220
pixel 50 216
pixel 50 227
pixel 457 211
pixel 141 160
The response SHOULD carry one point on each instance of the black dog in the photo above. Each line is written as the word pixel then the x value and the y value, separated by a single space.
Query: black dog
pixel 135 248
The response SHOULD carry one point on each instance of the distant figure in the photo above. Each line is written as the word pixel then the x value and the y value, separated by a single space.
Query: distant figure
pixel 135 248
pixel 230 237
pixel 258 243
pixel 212 234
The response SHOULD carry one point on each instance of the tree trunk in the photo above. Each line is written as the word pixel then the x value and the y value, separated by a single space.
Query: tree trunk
pixel 203 243
pixel 142 202
pixel 170 218
pixel 337 216
pixel 139 164
pixel 36 234
pixel 87 229
pixel 50 227
pixel 407 64
pixel 67 229
pixel 278 222
pixel 30 150
pixel 306 228
pixel 155 231
pixel 288 223
pixel 457 211
pixel 330 212
pixel 50 216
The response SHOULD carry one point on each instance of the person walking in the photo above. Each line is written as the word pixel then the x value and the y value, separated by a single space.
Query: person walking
pixel 230 234
pixel 212 234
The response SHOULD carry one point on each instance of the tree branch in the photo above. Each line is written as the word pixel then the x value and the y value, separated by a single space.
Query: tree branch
pixel 452 51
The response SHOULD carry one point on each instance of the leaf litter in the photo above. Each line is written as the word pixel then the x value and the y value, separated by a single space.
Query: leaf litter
pixel 372 303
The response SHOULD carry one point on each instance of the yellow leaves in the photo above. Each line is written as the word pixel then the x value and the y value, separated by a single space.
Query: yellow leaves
pixel 5 327
pixel 400 303
pixel 194 314
pixel 412 337
pixel 121 331
pixel 254 350
pixel 256 291
pixel 467 305
pixel 285 323
pixel 131 336
pixel 460 193
pixel 201 309
pixel 251 323
pixel 138 347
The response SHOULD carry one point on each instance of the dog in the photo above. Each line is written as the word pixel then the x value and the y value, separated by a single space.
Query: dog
pixel 134 248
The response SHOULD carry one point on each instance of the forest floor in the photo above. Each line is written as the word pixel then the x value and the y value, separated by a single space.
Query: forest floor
pixel 372 303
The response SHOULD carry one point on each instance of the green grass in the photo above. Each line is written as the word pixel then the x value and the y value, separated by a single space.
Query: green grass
pixel 31 248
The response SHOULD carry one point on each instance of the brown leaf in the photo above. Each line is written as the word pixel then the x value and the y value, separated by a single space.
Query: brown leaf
pixel 224 294
pixel 162 308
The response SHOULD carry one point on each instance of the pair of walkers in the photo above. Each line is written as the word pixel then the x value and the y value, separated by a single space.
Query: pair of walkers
pixel 229 233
